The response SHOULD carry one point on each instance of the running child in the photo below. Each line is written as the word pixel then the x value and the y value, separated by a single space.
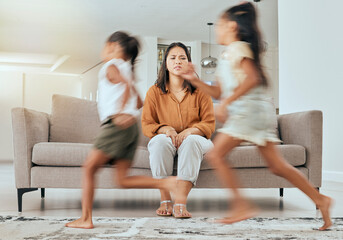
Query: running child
pixel 117 141
pixel 244 111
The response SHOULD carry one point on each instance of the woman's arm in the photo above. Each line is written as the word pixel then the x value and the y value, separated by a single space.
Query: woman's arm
pixel 206 114
pixel 206 126
pixel 150 122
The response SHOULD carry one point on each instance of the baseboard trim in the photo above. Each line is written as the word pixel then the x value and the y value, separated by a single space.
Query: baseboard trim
pixel 333 176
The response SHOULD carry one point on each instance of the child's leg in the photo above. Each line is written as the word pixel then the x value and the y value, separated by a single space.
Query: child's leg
pixel 283 169
pixel 95 159
pixel 223 144
pixel 125 181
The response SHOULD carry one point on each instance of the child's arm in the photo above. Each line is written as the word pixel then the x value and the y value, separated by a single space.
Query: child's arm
pixel 139 100
pixel 114 76
pixel 214 91
pixel 251 81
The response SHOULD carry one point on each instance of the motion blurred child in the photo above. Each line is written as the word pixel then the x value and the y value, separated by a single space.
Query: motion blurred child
pixel 245 112
pixel 118 108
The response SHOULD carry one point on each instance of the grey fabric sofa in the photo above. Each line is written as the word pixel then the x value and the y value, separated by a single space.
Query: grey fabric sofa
pixel 49 150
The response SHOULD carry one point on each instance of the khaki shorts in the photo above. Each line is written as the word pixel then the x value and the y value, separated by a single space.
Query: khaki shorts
pixel 117 143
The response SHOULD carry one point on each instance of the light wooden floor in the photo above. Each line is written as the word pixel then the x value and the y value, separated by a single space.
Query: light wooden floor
pixel 142 203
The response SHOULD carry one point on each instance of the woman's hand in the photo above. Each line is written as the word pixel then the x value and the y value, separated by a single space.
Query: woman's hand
pixel 124 120
pixel 221 113
pixel 182 136
pixel 172 134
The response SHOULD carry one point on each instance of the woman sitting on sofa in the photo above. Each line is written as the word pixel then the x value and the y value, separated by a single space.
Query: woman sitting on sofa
pixel 179 119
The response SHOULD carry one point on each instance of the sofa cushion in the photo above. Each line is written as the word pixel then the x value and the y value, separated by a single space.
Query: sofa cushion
pixel 73 120
pixel 74 154
pixel 249 157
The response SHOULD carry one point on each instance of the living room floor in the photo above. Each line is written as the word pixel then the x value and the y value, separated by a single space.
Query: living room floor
pixel 143 202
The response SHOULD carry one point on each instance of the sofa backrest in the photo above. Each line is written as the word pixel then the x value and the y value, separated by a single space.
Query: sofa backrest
pixel 77 120
pixel 73 120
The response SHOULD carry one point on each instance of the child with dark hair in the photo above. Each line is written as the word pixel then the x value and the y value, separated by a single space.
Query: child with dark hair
pixel 118 109
pixel 245 112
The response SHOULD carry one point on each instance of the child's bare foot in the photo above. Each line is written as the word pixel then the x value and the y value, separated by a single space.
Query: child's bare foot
pixel 239 214
pixel 324 208
pixel 80 223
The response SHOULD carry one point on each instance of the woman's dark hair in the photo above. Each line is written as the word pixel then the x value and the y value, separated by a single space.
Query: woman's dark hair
pixel 129 44
pixel 245 17
pixel 163 75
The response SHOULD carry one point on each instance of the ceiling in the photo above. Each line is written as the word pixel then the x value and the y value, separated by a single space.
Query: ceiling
pixel 75 30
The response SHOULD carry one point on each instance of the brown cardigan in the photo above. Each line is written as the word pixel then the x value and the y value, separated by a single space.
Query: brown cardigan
pixel 194 111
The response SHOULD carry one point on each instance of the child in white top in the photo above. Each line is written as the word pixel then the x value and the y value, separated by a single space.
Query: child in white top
pixel 117 141
pixel 241 88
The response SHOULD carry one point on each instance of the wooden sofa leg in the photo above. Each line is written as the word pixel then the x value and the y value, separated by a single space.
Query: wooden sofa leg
pixel 20 192
pixel 281 192
pixel 42 192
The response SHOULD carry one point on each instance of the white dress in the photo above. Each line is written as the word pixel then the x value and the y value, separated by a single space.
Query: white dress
pixel 251 115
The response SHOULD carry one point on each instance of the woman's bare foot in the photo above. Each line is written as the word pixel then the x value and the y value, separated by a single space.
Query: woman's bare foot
pixel 80 223
pixel 240 213
pixel 180 211
pixel 324 208
pixel 165 209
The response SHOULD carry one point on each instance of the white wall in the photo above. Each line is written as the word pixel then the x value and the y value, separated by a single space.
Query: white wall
pixel 89 82
pixel 30 90
pixel 270 62
pixel 39 88
pixel 11 87
pixel 146 69
pixel 311 71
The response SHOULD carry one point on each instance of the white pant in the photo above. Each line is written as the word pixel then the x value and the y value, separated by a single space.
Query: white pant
pixel 190 156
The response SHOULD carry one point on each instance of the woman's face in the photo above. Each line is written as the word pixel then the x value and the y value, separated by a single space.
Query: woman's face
pixel 176 60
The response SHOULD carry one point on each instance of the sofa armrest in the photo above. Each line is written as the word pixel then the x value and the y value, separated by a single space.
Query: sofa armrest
pixel 29 127
pixel 305 129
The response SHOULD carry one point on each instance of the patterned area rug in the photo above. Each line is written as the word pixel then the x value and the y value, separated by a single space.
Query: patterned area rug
pixel 32 228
